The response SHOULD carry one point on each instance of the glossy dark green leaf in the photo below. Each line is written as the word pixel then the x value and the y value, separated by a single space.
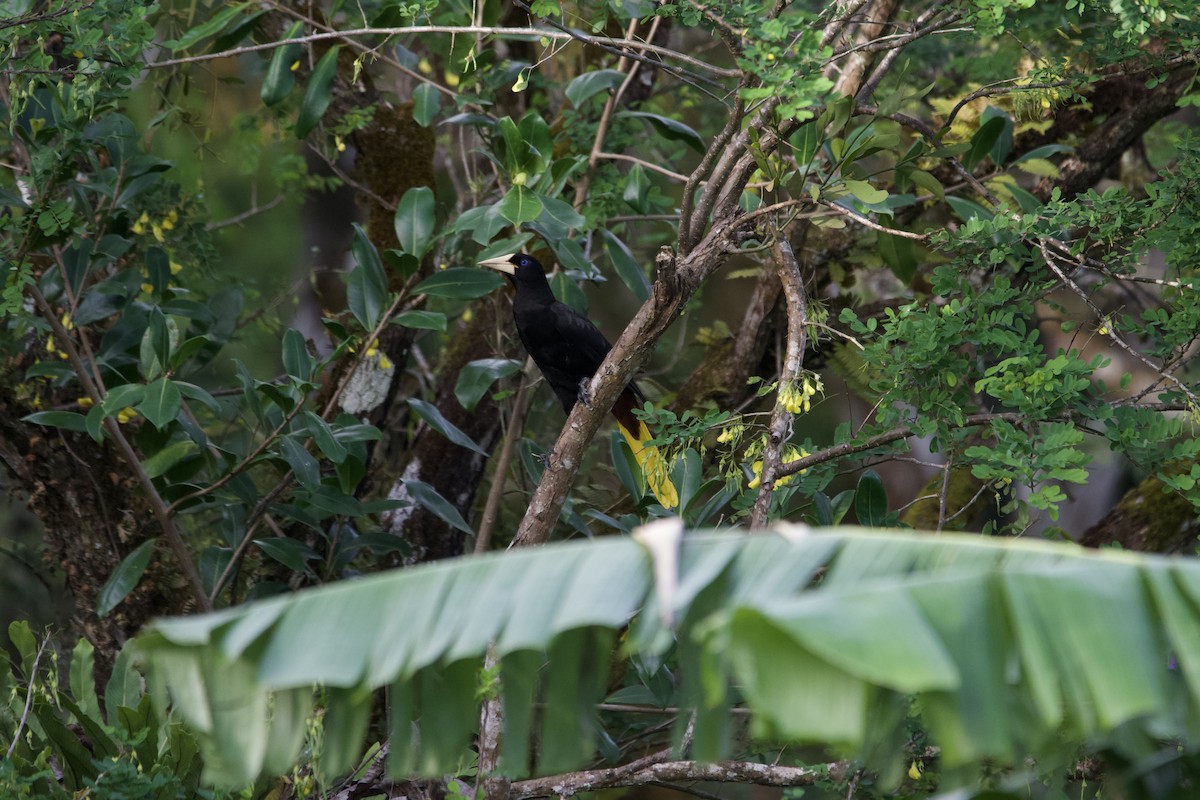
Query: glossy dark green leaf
pixel 669 128
pixel 323 435
pixel 557 219
pixel 424 320
pixel 591 83
pixel 279 79
pixel 316 94
pixel 1044 151
pixel 520 205
pixel 870 499
pixel 307 468
pixel 167 457
pixel 427 102
pixel 984 140
pixel 630 272
pixel 414 221
pixel 155 351
pixel 161 403
pixel 1003 145
pixel 214 25
pixel 460 283
pixel 637 188
pixel 289 552
pixel 899 253
pixel 966 209
pixel 445 427
pixel 366 284
pixel 297 361
pixel 67 420
pixel 440 507
pixel 476 378
pixel 124 578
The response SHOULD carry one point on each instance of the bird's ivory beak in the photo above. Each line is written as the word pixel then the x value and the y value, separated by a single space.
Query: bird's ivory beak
pixel 501 263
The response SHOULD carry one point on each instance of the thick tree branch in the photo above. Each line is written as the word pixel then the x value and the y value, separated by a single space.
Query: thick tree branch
pixel 721 771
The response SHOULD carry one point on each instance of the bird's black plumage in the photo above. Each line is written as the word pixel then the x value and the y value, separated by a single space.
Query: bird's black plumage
pixel 568 348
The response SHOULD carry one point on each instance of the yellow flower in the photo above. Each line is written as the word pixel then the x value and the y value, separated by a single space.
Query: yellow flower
pixel 158 232
pixel 295 65
pixel 790 453
pixel 84 402
pixel 126 414
pixel 67 323
pixel 176 268
pixel 50 348
pixel 173 215
pixel 167 224
pixel 914 771
pixel 385 362
pixel 148 288
pixel 796 397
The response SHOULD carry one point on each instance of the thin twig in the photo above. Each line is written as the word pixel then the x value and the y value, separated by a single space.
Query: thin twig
pixel 491 508
pixel 28 699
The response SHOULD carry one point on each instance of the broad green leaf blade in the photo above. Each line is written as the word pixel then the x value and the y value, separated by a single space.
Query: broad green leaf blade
pixel 124 689
pixel 439 423
pixel 427 103
pixel 591 83
pixel 366 284
pixel 476 377
pixel 316 94
pixel 83 685
pixel 307 468
pixel 214 25
pixel 161 403
pixel 162 461
pixel 870 500
pixel 67 420
pixel 414 221
pixel 124 578
pixel 669 128
pixel 985 139
pixel 298 363
pixel 439 506
pixel 632 274
pixel 279 80
pixel 520 205
pixel 460 283
pixel 421 320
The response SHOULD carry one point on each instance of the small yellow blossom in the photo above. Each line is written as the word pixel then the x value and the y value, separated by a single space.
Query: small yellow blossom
pixel 468 315
pixel 173 216
pixel 385 363
pixel 914 771
pixel 50 348
pixel 126 414
pixel 295 65
pixel 796 397
pixel 84 402
pixel 341 146
pixel 67 322
pixel 139 227
pixel 424 67
pixel 790 453
pixel 452 79
pixel 167 224
pixel 148 288
pixel 176 268
pixel 157 230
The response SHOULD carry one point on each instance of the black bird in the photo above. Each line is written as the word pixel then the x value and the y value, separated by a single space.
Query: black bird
pixel 568 348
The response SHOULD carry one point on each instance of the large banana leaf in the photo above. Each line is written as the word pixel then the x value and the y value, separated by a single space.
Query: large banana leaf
pixel 1007 647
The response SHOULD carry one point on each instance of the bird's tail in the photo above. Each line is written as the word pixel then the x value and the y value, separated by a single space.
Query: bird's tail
pixel 654 465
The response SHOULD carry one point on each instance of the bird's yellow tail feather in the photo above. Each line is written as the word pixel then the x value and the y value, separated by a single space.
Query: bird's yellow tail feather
pixel 654 466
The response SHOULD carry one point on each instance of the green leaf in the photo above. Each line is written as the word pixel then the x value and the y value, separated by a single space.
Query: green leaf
pixel 870 499
pixel 900 254
pixel 423 320
pixel 297 361
pixel 966 209
pixel 159 463
pixel 316 94
pixel 637 189
pixel 325 438
pixel 427 102
pixel 927 182
pixel 124 578
pixel 155 351
pixel 460 283
pixel 669 128
pixel 437 505
pixel 557 219
pixel 1003 145
pixel 289 552
pixel 366 284
pixel 984 140
pixel 414 221
pixel 67 420
pixel 520 205
pixel 591 83
pixel 630 272
pixel 307 468
pixel 124 689
pixel 161 404
pixel 476 377
pixel 214 25
pixel 83 685
pixel 1043 152
pixel 279 80
pixel 866 192
pixel 433 417
pixel 807 142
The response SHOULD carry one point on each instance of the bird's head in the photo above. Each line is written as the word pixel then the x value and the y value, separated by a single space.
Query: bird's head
pixel 519 267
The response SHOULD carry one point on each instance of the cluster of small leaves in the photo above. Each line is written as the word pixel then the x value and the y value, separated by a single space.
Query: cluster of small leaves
pixel 130 754
pixel 784 53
